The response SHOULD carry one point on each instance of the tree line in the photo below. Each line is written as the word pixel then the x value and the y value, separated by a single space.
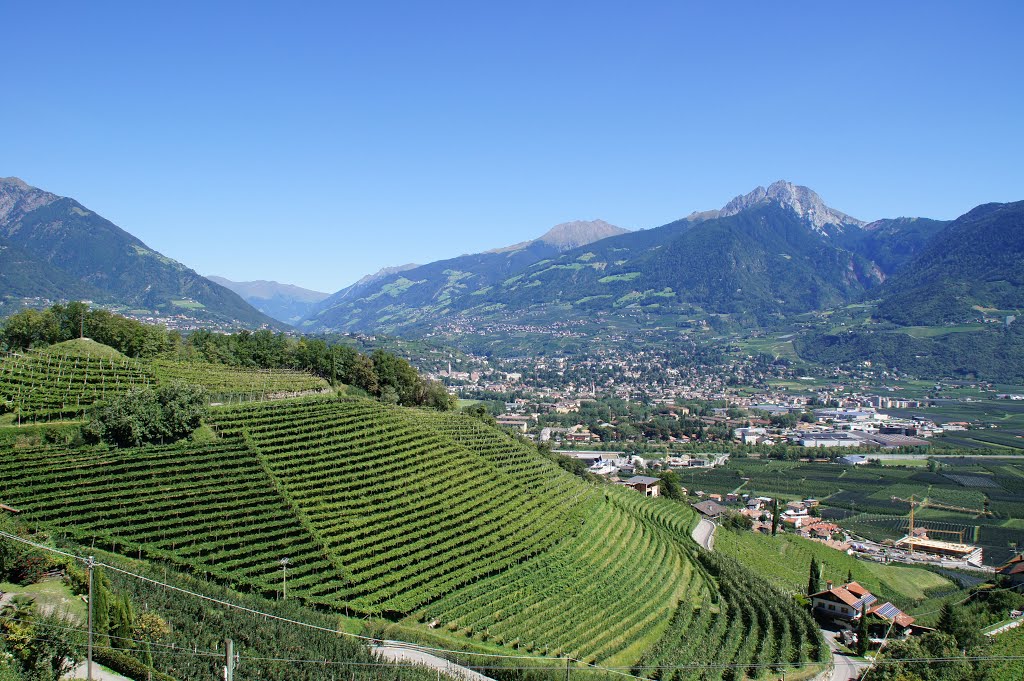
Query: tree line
pixel 380 374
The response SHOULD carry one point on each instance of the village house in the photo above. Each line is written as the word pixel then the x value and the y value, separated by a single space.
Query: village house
pixel 1013 571
pixel 749 436
pixel 847 603
pixel 645 485
pixel 712 510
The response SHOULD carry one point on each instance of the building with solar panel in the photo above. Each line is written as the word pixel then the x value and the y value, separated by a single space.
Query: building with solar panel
pixel 847 603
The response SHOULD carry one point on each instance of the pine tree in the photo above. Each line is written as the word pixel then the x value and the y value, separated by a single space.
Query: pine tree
pixel 849 575
pixel 775 517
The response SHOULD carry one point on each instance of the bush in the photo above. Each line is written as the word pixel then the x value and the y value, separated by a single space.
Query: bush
pixel 141 415
pixel 123 663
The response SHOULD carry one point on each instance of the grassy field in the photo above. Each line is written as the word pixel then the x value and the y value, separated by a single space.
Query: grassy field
pixel 785 560
pixel 935 331
pixel 777 345
pixel 51 595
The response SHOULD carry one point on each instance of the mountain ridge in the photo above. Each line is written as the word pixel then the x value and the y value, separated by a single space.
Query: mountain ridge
pixel 815 262
pixel 65 251
pixel 444 277
pixel 286 303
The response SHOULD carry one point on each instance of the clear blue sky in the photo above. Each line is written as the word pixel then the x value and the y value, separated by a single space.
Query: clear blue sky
pixel 313 144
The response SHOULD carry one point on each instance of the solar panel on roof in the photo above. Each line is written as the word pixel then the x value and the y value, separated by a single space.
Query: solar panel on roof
pixel 865 602
pixel 889 611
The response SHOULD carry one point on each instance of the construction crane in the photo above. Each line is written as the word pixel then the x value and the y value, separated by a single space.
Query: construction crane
pixel 925 503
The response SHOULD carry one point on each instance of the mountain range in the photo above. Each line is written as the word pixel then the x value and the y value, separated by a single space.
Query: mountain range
pixel 55 248
pixel 766 255
pixel 284 302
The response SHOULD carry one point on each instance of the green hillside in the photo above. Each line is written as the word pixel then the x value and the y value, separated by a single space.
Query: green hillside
pixel 791 557
pixel 59 249
pixel 422 518
pixel 62 380
pixel 975 263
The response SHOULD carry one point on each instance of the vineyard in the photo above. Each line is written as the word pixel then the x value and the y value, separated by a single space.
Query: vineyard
pixel 785 560
pixel 419 517
pixel 866 499
pixel 64 380
pixel 746 623
pixel 226 383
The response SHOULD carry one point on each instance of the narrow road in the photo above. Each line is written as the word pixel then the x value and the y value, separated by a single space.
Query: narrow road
pixel 844 666
pixel 396 653
pixel 98 673
pixel 704 534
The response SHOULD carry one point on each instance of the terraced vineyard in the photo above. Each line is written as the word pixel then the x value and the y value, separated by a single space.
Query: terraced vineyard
pixel 420 517
pixel 63 380
pixel 209 509
pixel 226 383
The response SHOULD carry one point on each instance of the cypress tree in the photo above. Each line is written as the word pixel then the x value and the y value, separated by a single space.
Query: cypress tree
pixel 814 579
pixel 100 607
pixel 121 622
pixel 862 631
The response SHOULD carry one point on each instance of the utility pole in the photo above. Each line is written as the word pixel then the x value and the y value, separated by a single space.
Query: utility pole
pixel 284 578
pixel 568 667
pixel 88 669
pixel 229 660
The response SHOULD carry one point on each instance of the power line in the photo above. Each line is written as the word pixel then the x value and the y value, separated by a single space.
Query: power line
pixel 412 646
pixel 266 615
pixel 171 646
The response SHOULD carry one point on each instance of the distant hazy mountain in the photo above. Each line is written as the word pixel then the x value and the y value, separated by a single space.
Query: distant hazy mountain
pixel 284 302
pixel 569 235
pixel 772 251
pixel 426 289
pixel 54 247
pixel 977 261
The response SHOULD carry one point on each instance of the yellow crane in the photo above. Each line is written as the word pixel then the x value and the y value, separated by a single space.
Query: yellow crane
pixel 926 503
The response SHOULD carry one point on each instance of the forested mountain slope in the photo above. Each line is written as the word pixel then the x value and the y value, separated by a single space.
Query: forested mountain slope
pixel 975 262
pixel 773 251
pixel 58 249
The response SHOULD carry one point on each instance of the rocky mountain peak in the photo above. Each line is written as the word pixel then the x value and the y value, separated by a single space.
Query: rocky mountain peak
pixel 569 235
pixel 801 200
pixel 18 198
pixel 385 272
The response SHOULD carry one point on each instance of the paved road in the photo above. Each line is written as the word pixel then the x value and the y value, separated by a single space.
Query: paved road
pixel 98 673
pixel 845 667
pixel 396 653
pixel 704 534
